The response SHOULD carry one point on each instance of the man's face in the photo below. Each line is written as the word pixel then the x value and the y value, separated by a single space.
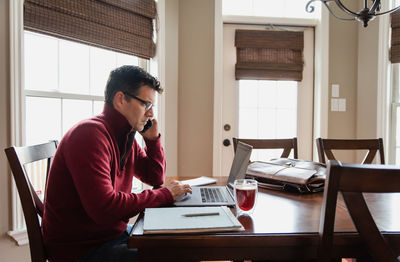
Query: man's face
pixel 135 111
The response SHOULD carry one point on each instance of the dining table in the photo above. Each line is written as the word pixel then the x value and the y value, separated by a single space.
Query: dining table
pixel 283 226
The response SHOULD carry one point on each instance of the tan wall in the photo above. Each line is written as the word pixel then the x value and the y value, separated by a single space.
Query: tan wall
pixel 343 45
pixel 8 250
pixel 171 85
pixel 367 92
pixel 196 80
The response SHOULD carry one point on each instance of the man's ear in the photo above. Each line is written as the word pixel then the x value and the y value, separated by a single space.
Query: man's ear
pixel 119 100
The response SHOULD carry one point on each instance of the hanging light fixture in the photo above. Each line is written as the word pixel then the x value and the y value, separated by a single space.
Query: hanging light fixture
pixel 364 15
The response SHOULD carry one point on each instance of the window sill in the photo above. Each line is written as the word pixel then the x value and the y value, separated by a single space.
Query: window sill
pixel 19 236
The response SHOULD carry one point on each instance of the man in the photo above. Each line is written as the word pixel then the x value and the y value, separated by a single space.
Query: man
pixel 88 197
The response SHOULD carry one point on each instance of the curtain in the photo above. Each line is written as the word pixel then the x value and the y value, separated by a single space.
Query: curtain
pixel 124 26
pixel 269 55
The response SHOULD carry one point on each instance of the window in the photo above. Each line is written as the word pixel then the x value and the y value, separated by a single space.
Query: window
pixel 64 83
pixel 270 8
pixel 267 109
pixel 394 150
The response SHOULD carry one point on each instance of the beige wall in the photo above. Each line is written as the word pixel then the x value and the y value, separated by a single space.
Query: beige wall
pixel 171 85
pixel 343 46
pixel 8 250
pixel 367 92
pixel 196 80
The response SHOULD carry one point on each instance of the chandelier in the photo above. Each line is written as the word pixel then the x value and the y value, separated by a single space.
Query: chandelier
pixel 364 15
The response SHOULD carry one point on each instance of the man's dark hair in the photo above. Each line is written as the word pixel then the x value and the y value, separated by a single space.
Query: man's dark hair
pixel 128 79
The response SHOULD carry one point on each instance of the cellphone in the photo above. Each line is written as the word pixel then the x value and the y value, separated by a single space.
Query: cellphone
pixel 147 126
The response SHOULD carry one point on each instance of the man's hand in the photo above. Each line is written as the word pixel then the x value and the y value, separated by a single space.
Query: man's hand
pixel 152 133
pixel 177 189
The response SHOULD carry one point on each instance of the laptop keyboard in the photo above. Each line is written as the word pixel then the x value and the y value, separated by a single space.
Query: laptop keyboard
pixel 211 195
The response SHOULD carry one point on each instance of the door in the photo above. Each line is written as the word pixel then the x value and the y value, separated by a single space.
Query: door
pixel 265 109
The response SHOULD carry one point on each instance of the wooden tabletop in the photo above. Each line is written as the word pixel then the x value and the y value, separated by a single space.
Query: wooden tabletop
pixel 283 225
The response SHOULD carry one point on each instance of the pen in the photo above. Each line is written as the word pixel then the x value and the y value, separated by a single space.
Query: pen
pixel 201 214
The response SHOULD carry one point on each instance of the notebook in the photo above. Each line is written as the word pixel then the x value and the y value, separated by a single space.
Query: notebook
pixel 189 220
pixel 220 195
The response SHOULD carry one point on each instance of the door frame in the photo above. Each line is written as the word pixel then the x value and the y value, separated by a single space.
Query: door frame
pixel 321 69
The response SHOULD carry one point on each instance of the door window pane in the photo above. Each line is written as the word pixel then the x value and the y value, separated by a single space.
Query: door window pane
pixel 43 122
pixel 267 110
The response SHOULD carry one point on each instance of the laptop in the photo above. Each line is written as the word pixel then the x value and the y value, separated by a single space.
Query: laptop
pixel 220 195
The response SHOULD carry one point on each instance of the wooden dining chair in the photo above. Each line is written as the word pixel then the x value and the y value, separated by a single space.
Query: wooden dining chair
pixel 325 147
pixel 352 180
pixel 32 205
pixel 286 144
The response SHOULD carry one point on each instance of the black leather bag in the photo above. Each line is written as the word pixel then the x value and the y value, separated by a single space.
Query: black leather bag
pixel 286 174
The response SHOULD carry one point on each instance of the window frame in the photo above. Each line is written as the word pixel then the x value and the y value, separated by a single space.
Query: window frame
pixel 17 104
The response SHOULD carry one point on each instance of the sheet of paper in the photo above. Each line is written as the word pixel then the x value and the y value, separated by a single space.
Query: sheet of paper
pixel 200 181
pixel 189 219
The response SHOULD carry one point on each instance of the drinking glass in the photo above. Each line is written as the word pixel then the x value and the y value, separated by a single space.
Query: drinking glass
pixel 245 195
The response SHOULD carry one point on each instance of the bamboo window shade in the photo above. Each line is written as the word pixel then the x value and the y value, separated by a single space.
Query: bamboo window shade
pixel 395 44
pixel 269 55
pixel 124 26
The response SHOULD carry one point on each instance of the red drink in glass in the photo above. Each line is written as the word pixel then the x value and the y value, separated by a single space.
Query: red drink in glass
pixel 245 197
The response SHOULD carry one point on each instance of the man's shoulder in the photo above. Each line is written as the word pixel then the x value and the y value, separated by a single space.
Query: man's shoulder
pixel 93 127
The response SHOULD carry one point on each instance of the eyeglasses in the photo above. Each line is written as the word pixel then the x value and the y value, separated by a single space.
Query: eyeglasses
pixel 148 105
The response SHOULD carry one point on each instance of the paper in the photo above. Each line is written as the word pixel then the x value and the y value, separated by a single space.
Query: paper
pixel 182 220
pixel 200 181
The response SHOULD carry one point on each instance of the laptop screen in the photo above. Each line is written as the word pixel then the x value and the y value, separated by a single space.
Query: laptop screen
pixel 240 162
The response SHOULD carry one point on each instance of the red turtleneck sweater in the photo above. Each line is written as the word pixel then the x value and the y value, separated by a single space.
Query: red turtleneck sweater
pixel 88 199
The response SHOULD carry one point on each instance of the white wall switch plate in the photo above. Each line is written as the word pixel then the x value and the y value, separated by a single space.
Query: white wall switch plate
pixel 335 90
pixel 334 104
pixel 342 104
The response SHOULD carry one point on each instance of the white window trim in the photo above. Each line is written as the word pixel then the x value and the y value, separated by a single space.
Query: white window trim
pixel 384 110
pixel 18 232
pixel 321 73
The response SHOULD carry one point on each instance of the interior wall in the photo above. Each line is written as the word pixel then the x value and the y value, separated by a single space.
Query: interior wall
pixel 8 250
pixel 196 87
pixel 367 93
pixel 343 46
pixel 171 85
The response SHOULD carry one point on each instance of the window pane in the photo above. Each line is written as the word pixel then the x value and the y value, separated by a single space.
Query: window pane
pixel 267 96
pixel 270 8
pixel 286 123
pixel 237 7
pixel 266 123
pixel 286 94
pixel 74 68
pixel 98 107
pixel 101 63
pixel 248 93
pixel 41 63
pixel 75 111
pixel 43 122
pixel 123 59
pixel 267 109
pixel 248 123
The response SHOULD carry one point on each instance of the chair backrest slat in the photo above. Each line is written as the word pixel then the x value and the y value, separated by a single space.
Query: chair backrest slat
pixel 32 205
pixel 286 144
pixel 325 147
pixel 352 180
